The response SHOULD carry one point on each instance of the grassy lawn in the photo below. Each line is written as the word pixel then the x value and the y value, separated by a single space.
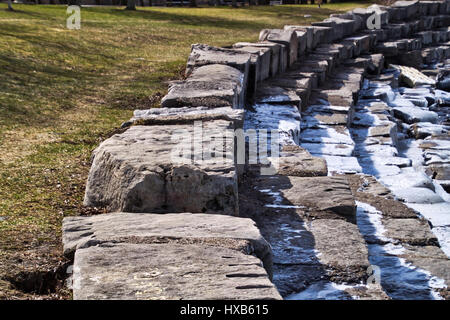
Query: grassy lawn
pixel 63 91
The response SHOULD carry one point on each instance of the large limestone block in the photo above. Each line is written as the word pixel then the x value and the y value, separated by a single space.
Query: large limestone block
pixel 277 54
pixel 184 115
pixel 341 248
pixel 168 271
pixel 413 77
pixel 341 97
pixel 298 162
pixel 214 85
pixel 318 115
pixel 153 169
pixel 388 49
pixel 414 114
pixel 148 228
pixel 305 38
pixel 411 8
pixel 347 25
pixel 411 231
pixel 263 66
pixel 359 23
pixel 336 29
pixel 276 95
pixel 285 37
pixel 301 86
pixel 314 35
pixel 428 8
pixel 318 197
pixel 202 54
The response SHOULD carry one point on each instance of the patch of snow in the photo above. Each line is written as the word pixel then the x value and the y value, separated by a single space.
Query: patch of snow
pixel 324 290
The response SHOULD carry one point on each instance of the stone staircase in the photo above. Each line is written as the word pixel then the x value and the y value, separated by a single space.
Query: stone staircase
pixel 194 216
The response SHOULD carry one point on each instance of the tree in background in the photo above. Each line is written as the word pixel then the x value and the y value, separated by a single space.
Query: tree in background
pixel 131 5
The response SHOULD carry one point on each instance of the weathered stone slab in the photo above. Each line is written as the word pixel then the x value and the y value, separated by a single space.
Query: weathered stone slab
pixel 341 248
pixel 304 37
pixel 263 65
pixel 349 15
pixel 202 54
pixel 329 149
pixel 342 165
pixel 346 25
pixel 212 85
pixel 388 49
pixel 286 82
pixel 148 228
pixel 439 171
pixel 168 271
pixel 341 97
pixel 411 8
pixel 327 134
pixel 298 162
pixel 281 118
pixel 410 231
pixel 422 130
pixel 297 74
pixel 152 169
pixel 285 37
pixel 184 115
pixel 317 115
pixel 336 29
pixel 428 8
pixel 326 197
pixel 412 115
pixel 277 95
pixel 277 57
pixel 305 41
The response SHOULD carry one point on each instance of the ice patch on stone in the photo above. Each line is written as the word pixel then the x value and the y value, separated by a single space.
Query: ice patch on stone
pixel 326 135
pixel 325 290
pixel 283 118
pixel 337 164
pixel 443 235
pixel 407 180
pixel 278 199
pixel 416 195
pixel 437 213
pixel 330 149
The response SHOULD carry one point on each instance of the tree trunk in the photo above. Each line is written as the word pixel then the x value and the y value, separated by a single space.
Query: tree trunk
pixel 193 3
pixel 234 3
pixel 131 5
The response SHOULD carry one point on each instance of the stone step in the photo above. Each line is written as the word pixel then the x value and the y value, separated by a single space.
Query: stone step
pixel 168 256
pixel 152 168
pixel 213 85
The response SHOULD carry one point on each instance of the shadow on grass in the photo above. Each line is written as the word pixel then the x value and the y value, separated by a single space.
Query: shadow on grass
pixel 188 19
